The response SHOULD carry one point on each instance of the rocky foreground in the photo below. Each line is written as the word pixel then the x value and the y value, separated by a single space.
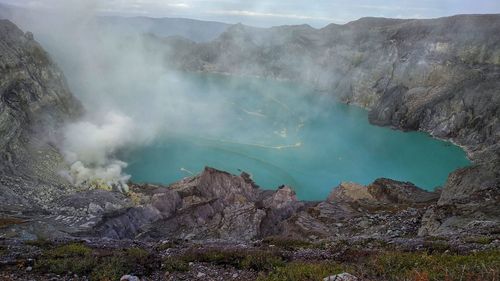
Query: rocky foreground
pixel 219 226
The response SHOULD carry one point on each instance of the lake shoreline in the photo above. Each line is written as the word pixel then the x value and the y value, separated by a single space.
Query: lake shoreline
pixel 261 148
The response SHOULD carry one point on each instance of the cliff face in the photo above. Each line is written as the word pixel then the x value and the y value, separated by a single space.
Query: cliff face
pixel 441 76
pixel 34 96
pixel 216 205
pixel 34 101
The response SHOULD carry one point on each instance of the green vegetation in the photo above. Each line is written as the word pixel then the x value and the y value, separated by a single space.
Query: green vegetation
pixel 73 257
pixel 174 264
pixel 423 266
pixel 479 240
pixel 273 265
pixel 419 266
pixel 111 268
pixel 303 271
pixel 100 265
pixel 69 250
pixel 258 260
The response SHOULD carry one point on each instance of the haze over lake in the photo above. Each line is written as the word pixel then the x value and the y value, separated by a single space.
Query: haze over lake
pixel 284 133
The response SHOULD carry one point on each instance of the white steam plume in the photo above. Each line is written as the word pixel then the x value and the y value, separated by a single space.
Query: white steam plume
pixel 89 147
pixel 129 94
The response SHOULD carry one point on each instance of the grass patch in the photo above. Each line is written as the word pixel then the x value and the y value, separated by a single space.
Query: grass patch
pixel 75 258
pixel 171 264
pixel 484 240
pixel 302 271
pixel 242 259
pixel 134 260
pixel 69 250
pixel 98 264
pixel 272 264
pixel 423 266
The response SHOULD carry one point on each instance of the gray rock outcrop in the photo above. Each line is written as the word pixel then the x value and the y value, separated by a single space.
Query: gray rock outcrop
pixel 216 205
pixel 34 102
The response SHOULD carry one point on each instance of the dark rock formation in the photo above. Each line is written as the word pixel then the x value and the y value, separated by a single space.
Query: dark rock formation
pixel 385 191
pixel 34 97
pixel 468 204
pixel 34 102
pixel 219 206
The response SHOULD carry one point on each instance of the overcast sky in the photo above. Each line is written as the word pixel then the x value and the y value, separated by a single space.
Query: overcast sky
pixel 267 13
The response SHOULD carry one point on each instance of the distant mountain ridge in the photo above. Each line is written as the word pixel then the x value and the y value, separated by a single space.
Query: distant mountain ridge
pixel 194 30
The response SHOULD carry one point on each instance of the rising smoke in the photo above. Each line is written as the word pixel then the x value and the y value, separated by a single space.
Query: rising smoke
pixel 89 148
pixel 129 93
pixel 132 96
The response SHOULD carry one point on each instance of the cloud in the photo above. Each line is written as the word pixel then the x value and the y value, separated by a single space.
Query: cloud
pixel 179 5
pixel 394 8
pixel 246 13
pixel 268 13
pixel 94 141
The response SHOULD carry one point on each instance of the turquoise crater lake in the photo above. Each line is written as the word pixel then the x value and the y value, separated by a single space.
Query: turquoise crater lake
pixel 284 133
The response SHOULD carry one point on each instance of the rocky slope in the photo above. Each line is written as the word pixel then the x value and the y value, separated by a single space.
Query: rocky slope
pixel 219 206
pixel 34 102
pixel 34 95
pixel 218 226
pixel 438 75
